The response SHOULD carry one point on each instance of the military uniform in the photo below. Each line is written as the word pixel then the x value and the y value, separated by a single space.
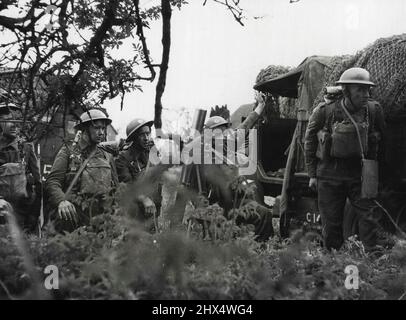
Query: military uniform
pixel 92 193
pixel 134 169
pixel 20 180
pixel 224 173
pixel 220 183
pixel 131 164
pixel 339 178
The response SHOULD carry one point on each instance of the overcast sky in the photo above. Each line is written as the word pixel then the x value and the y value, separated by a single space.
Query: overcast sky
pixel 214 60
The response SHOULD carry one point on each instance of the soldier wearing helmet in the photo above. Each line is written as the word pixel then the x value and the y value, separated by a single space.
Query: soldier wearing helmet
pixel 132 161
pixel 217 122
pixel 333 152
pixel 219 179
pixel 133 168
pixel 19 172
pixel 83 172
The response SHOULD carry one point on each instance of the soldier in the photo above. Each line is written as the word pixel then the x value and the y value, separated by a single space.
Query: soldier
pixel 133 168
pixel 221 131
pixel 219 180
pixel 19 171
pixel 83 175
pixel 333 151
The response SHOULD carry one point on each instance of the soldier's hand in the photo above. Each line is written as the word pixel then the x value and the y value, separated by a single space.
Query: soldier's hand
pixel 149 206
pixel 67 211
pixel 313 184
pixel 260 99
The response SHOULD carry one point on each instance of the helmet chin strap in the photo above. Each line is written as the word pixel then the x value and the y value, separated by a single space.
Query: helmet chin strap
pixel 348 96
pixel 86 138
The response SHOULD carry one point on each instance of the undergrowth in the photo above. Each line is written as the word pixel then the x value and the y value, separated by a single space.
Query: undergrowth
pixel 114 259
pixel 210 257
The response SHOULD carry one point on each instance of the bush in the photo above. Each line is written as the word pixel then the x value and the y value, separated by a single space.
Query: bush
pixel 113 259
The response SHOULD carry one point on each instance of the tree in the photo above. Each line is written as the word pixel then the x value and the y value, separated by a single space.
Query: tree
pixel 60 52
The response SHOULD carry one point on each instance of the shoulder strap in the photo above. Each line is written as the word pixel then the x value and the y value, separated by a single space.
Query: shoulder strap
pixel 356 128
pixel 328 110
pixel 79 172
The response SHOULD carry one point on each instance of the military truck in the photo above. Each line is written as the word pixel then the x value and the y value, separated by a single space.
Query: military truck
pixel 293 95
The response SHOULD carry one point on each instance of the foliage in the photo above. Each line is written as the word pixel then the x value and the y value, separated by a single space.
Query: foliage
pixel 63 55
pixel 113 258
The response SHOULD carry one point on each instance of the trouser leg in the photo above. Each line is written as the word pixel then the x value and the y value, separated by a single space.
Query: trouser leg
pixel 331 200
pixel 368 214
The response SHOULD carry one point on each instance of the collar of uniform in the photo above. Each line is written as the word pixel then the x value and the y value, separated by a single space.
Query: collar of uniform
pixel 84 144
pixel 350 108
pixel 138 153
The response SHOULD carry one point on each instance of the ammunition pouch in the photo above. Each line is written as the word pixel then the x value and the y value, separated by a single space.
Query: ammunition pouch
pixel 344 140
pixel 13 182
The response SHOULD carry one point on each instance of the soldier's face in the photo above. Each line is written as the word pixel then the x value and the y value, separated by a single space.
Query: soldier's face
pixel 9 128
pixel 97 131
pixel 359 94
pixel 143 137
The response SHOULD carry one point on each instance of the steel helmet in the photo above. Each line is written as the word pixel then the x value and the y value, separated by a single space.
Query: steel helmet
pixel 6 108
pixel 134 125
pixel 355 76
pixel 92 115
pixel 214 122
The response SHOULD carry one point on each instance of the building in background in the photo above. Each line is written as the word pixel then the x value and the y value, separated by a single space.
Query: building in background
pixel 47 129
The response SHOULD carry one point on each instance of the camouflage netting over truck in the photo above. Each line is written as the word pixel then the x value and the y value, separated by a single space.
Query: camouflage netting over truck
pixel 385 59
pixel 275 104
pixel 271 72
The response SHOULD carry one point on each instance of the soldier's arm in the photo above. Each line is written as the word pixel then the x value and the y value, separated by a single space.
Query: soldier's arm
pixel 253 117
pixel 112 147
pixel 122 167
pixel 249 122
pixel 56 179
pixel 114 175
pixel 316 123
pixel 380 127
pixel 380 120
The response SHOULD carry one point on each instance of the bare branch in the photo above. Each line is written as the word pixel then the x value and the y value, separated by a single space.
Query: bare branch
pixel 100 34
pixel 140 34
pixel 233 7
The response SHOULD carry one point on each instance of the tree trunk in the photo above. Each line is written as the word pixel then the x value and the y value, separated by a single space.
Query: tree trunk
pixel 166 44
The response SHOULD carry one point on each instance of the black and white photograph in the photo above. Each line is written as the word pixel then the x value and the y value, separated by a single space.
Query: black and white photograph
pixel 202 155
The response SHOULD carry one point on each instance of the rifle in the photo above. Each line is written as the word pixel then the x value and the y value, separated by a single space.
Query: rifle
pixel 41 211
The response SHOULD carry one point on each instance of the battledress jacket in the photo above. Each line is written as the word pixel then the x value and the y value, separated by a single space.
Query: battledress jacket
pixel 13 152
pixel 218 178
pixel 10 152
pixel 66 164
pixel 323 116
pixel 131 163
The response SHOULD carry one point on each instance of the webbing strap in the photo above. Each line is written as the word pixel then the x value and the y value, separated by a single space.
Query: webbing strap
pixel 356 128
